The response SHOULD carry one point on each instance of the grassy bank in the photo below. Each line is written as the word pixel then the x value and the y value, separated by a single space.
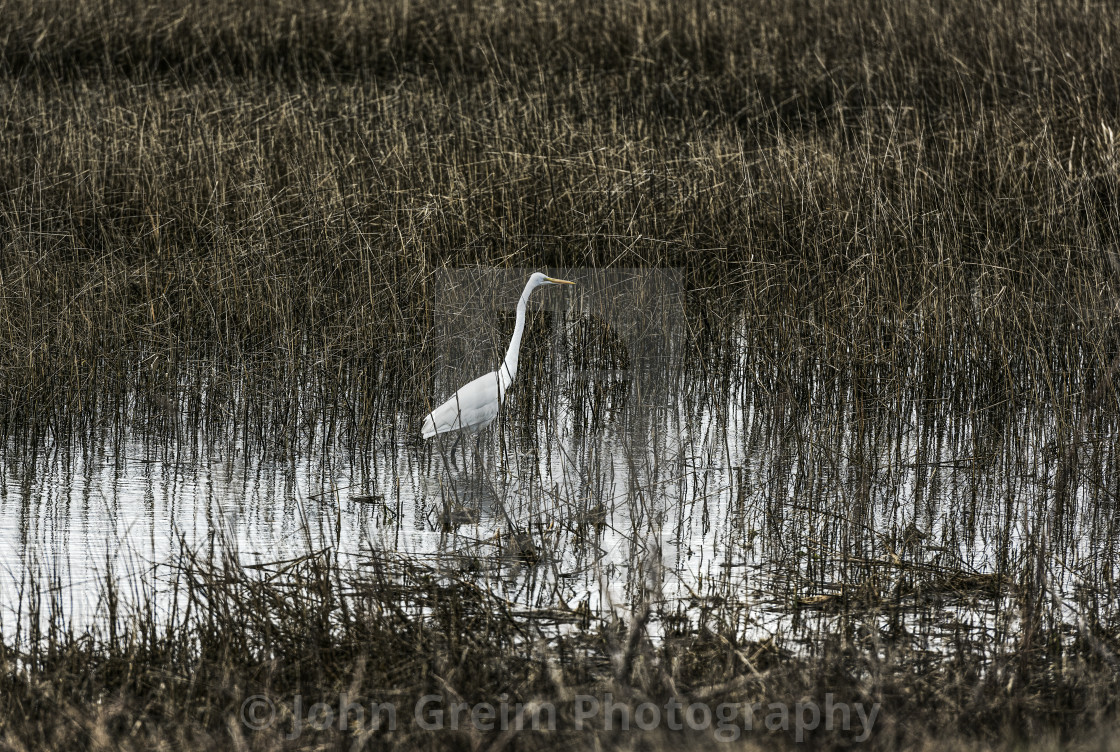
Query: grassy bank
pixel 248 652
pixel 225 222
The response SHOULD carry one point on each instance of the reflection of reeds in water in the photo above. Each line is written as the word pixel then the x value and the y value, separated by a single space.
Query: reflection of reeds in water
pixel 875 454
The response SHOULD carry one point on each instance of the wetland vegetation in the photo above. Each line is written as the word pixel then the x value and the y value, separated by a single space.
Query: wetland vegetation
pixel 832 411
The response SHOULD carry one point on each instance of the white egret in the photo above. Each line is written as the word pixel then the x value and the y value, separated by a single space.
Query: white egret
pixel 474 406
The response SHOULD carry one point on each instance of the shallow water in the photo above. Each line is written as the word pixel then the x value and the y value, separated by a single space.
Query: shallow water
pixel 640 467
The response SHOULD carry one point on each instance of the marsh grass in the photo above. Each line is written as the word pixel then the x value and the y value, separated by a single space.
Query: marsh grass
pixel 394 630
pixel 220 225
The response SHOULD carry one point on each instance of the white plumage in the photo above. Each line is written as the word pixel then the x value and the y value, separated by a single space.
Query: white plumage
pixel 475 406
pixel 472 408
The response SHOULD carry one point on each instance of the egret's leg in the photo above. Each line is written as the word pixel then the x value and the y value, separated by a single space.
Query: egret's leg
pixel 458 436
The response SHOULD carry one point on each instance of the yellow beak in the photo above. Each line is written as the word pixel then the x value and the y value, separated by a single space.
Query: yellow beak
pixel 555 281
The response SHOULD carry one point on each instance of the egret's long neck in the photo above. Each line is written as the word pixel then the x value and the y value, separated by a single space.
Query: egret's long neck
pixel 509 365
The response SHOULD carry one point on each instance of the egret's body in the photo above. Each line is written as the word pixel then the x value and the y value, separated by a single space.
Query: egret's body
pixel 470 409
pixel 475 406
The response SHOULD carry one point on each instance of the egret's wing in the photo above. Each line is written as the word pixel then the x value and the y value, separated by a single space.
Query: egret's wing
pixel 472 408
